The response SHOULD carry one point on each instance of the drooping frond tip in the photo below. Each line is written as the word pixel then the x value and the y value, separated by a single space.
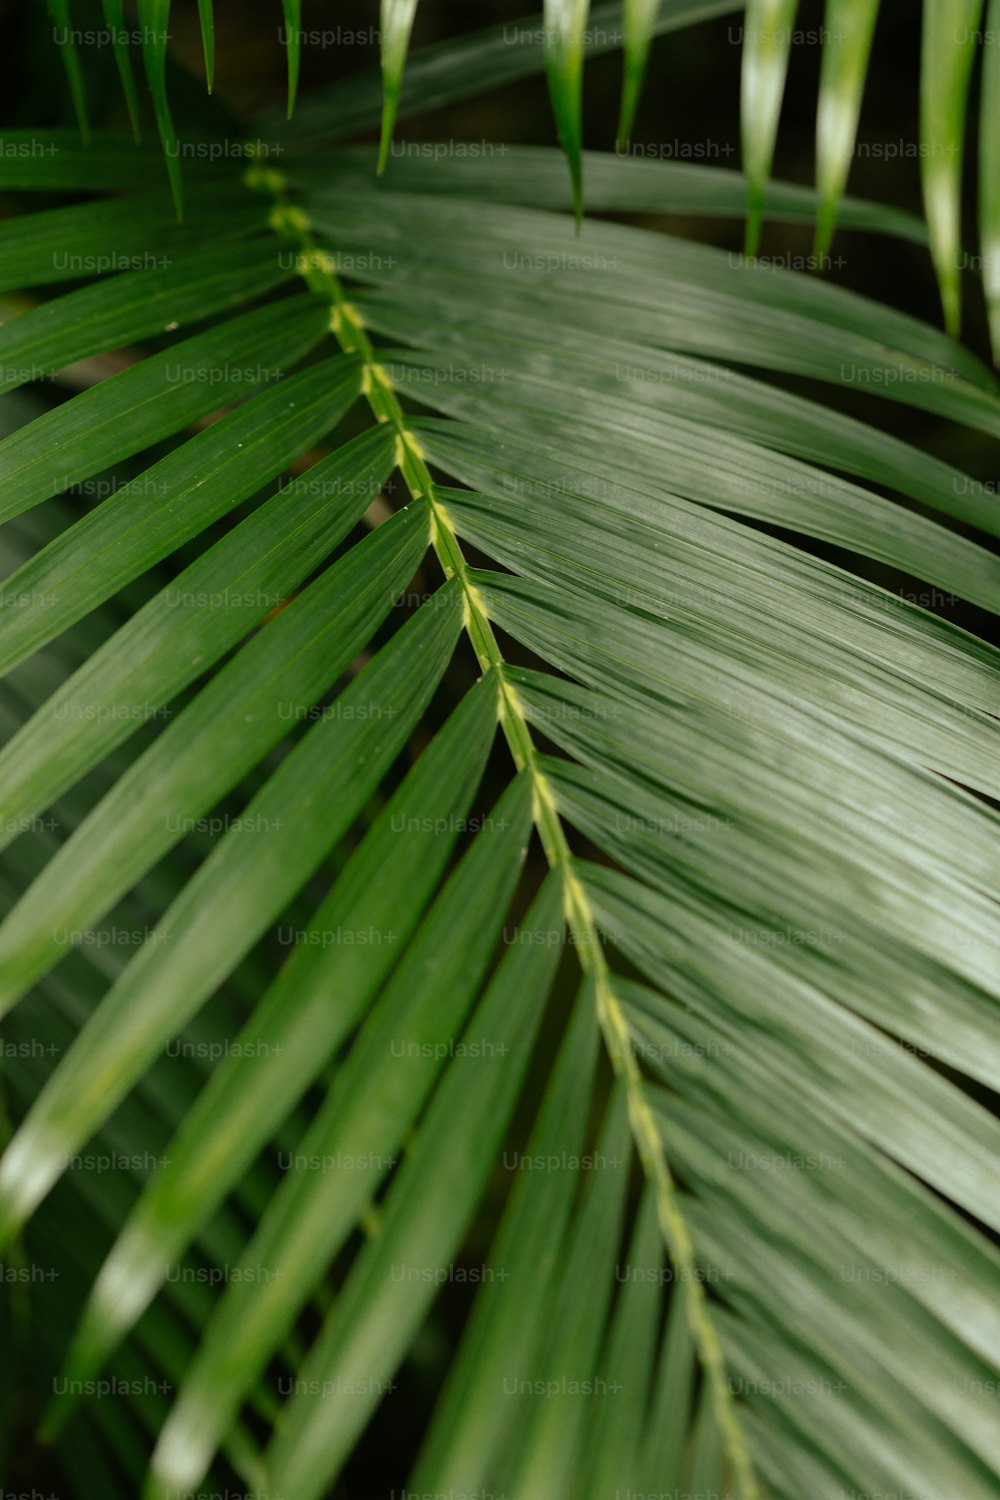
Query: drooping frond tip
pixel 989 174
pixel 766 41
pixel 71 62
pixel 154 16
pixel 847 41
pixel 639 16
pixel 948 50
pixel 397 24
pixel 207 21
pixel 115 17
pixel 293 42
pixel 565 35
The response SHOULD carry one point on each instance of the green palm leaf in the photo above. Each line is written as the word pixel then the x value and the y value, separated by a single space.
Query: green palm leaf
pixel 477 796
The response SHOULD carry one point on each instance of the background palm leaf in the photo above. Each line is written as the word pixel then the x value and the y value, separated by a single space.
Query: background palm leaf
pixel 953 31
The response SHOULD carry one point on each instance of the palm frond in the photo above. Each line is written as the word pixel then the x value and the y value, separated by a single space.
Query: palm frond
pixel 760 784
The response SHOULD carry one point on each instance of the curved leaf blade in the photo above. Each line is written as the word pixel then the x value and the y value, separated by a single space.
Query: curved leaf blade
pixel 186 628
pixel 60 11
pixel 136 305
pixel 565 30
pixel 386 886
pixel 468 1431
pixel 154 17
pixel 989 173
pixel 292 10
pixel 396 24
pixel 114 15
pixel 427 1209
pixel 234 897
pixel 366 1114
pixel 97 239
pixel 640 19
pixel 767 40
pixel 847 41
pixel 206 20
pixel 242 712
pixel 154 399
pixel 948 50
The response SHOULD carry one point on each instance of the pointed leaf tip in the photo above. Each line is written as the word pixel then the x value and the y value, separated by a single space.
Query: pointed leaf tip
pixel 847 42
pixel 397 23
pixel 293 41
pixel 154 17
pixel 207 19
pixel 989 174
pixel 564 36
pixel 948 50
pixel 639 18
pixel 767 36
pixel 114 15
pixel 60 12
